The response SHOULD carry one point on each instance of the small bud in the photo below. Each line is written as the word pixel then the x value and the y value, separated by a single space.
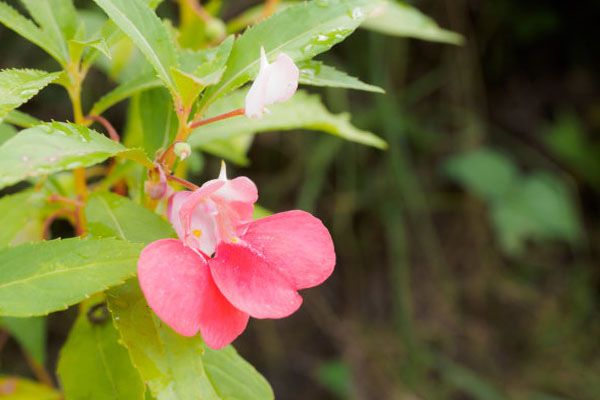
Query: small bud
pixel 155 190
pixel 215 29
pixel 182 150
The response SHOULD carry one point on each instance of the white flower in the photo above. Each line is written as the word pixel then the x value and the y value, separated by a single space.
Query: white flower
pixel 274 83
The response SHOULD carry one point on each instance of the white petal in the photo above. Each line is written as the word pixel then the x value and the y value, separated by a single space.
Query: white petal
pixel 283 80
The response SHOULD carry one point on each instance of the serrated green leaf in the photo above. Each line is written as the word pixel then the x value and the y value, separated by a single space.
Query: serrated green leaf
pixel 315 73
pixel 177 367
pixel 303 111
pixel 58 20
pixel 21 119
pixel 23 26
pixel 30 333
pixel 21 218
pixel 18 388
pixel 92 364
pixel 124 91
pixel 157 119
pixel 111 215
pixel 137 20
pixel 400 19
pixel 301 31
pixel 49 148
pixel 17 86
pixel 40 278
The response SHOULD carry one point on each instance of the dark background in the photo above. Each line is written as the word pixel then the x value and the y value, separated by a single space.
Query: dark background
pixel 425 303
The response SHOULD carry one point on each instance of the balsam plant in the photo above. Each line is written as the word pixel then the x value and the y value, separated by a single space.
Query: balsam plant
pixel 138 337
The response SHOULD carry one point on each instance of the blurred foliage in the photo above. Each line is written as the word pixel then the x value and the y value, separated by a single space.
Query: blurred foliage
pixel 467 251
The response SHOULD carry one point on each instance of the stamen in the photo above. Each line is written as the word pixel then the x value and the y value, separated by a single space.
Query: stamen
pixel 197 233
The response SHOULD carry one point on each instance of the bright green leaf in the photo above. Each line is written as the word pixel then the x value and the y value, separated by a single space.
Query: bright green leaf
pixel 400 19
pixel 15 21
pixel 124 91
pixel 110 215
pixel 58 20
pixel 315 73
pixel 21 119
pixel 30 333
pixel 6 132
pixel 177 367
pixel 17 388
pixel 49 148
pixel 302 111
pixel 40 278
pixel 301 31
pixel 157 119
pixel 92 364
pixel 144 28
pixel 17 86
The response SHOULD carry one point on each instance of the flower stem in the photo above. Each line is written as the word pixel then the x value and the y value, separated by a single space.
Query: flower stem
pixel 183 182
pixel 235 113
pixel 270 7
pixel 112 132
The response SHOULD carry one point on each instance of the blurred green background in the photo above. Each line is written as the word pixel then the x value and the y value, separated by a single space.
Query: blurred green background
pixel 467 252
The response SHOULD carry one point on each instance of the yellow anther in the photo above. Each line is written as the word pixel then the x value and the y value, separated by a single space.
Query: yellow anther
pixel 197 233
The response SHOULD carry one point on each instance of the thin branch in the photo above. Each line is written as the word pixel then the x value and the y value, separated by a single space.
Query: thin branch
pixel 183 182
pixel 112 132
pixel 231 114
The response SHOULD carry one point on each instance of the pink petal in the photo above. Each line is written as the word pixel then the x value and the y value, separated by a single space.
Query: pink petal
pixel 179 288
pixel 296 244
pixel 171 277
pixel 251 284
pixel 283 80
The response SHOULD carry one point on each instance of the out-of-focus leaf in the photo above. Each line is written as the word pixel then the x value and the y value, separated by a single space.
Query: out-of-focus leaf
pixel 302 111
pixel 30 333
pixel 234 149
pixel 111 215
pixel 335 376
pixel 6 132
pixel 260 212
pixel 40 278
pixel 485 172
pixel 17 388
pixel 137 20
pixel 178 367
pixel 58 20
pixel 49 148
pixel 92 364
pixel 17 86
pixel 315 73
pixel 301 31
pixel 124 91
pixel 16 22
pixel 157 119
pixel 21 217
pixel 400 19
pixel 21 119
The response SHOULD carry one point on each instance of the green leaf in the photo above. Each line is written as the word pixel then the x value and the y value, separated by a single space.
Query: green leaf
pixel 400 19
pixel 30 333
pixel 124 91
pixel 16 22
pixel 58 20
pixel 315 73
pixel 200 69
pixel 234 149
pixel 40 278
pixel 144 28
pixel 157 119
pixel 54 147
pixel 111 215
pixel 21 119
pixel 6 132
pixel 18 388
pixel 21 218
pixel 485 172
pixel 17 86
pixel 92 364
pixel 177 367
pixel 301 31
pixel 303 111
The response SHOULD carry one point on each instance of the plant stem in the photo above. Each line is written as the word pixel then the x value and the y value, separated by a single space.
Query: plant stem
pixel 112 132
pixel 235 113
pixel 197 8
pixel 270 7
pixel 40 372
pixel 183 182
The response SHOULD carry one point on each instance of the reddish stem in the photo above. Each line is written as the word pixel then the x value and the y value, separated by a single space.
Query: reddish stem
pixel 231 114
pixel 199 10
pixel 183 182
pixel 112 132
pixel 55 198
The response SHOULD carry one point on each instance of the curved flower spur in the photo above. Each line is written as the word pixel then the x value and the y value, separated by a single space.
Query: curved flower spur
pixel 225 267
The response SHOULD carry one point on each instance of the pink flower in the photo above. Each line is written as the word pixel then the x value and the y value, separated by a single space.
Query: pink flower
pixel 227 267
pixel 274 83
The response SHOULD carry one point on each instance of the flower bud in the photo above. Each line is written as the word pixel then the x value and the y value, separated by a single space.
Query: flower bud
pixel 155 190
pixel 182 150
pixel 215 29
